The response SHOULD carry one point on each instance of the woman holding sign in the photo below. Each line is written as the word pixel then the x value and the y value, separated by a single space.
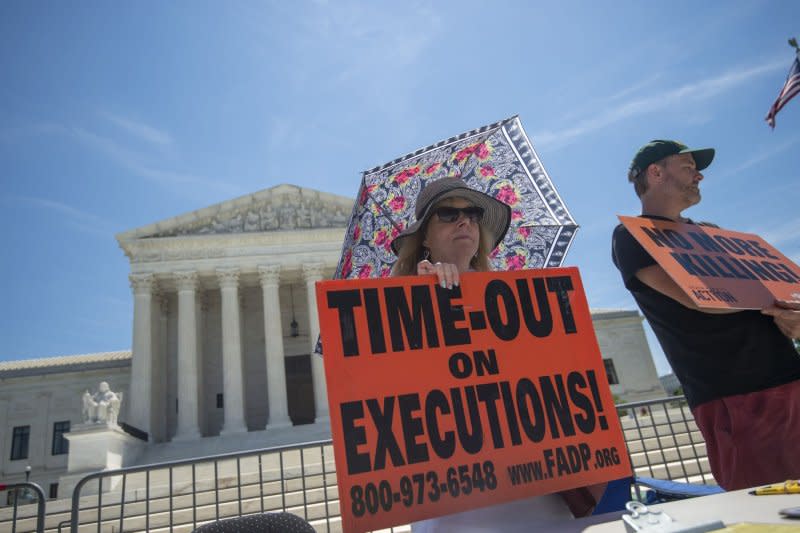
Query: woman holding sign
pixel 455 230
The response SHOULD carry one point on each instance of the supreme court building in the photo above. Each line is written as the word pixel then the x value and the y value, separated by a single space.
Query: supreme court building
pixel 224 327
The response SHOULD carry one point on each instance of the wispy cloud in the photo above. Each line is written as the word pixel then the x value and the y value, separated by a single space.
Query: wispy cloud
pixel 390 47
pixel 103 145
pixel 139 130
pixel 698 91
pixel 372 52
pixel 285 133
pixel 761 195
pixel 781 233
pixel 141 164
pixel 763 156
pixel 624 93
pixel 367 47
pixel 166 177
pixel 83 220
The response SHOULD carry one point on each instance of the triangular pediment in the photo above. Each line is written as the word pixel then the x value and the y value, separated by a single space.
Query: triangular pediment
pixel 280 208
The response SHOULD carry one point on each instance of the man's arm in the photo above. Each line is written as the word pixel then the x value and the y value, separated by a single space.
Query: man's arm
pixel 657 279
pixel 633 261
pixel 786 314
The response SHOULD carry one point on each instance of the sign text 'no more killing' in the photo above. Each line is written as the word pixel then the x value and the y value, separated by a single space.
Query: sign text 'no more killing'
pixel 444 400
pixel 718 268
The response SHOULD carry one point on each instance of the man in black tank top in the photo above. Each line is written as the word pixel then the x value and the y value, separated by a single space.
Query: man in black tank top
pixel 739 369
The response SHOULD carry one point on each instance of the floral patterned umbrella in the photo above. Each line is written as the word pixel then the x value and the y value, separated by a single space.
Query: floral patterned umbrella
pixel 499 160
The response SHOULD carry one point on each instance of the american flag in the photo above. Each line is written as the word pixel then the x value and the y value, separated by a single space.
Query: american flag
pixel 790 89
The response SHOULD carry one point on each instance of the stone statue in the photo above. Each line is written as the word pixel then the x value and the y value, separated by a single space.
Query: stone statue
pixel 269 218
pixel 102 407
pixel 303 214
pixel 339 217
pixel 234 224
pixel 87 406
pixel 251 221
pixel 287 217
pixel 217 226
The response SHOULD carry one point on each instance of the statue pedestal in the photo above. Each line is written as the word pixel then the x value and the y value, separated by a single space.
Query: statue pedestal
pixel 94 447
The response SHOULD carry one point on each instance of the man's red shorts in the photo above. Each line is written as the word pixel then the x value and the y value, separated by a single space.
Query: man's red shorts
pixel 753 439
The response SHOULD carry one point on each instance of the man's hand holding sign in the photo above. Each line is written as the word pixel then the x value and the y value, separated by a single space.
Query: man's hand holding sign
pixel 443 400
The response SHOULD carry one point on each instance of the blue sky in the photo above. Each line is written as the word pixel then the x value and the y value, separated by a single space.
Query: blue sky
pixel 117 115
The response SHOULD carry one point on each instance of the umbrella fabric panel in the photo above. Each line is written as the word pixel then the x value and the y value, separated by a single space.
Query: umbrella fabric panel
pixel 541 227
pixel 498 160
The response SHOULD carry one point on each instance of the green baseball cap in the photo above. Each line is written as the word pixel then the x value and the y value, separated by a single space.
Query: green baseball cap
pixel 658 149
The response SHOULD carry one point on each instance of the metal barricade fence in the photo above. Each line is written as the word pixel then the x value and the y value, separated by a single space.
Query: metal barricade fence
pixel 181 495
pixel 664 442
pixel 16 490
pixel 661 437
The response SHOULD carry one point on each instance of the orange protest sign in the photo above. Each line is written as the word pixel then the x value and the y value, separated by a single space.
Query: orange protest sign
pixel 718 268
pixel 446 400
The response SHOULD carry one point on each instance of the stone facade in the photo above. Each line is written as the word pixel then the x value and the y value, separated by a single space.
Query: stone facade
pixel 224 325
pixel 625 350
pixel 41 395
pixel 224 305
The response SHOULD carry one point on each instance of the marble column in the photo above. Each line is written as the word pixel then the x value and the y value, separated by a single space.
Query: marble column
pixel 140 401
pixel 188 383
pixel 312 274
pixel 273 339
pixel 232 377
pixel 160 374
pixel 203 396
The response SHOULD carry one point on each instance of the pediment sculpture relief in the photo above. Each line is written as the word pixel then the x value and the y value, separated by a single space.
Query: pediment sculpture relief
pixel 290 214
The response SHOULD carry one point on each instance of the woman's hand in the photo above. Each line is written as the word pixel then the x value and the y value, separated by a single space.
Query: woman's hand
pixel 446 273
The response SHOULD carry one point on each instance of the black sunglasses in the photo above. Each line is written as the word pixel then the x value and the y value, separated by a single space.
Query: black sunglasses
pixel 451 214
